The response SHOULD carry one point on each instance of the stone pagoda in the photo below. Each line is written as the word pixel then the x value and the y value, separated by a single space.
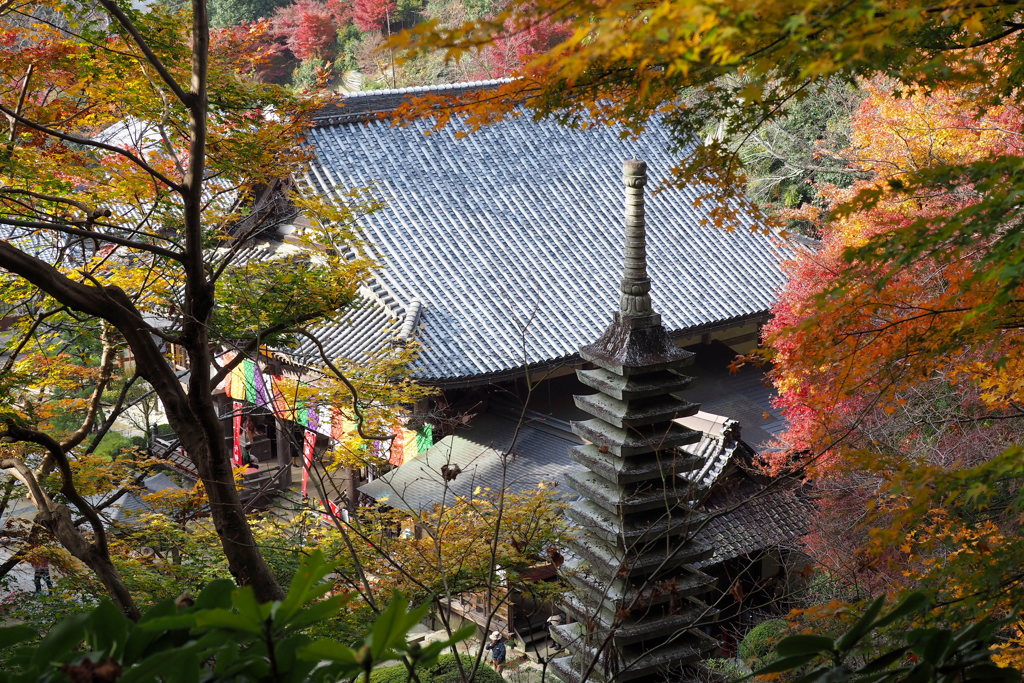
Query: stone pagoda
pixel 633 592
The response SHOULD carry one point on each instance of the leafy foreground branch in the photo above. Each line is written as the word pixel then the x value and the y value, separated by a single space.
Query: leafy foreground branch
pixel 223 634
pixel 927 655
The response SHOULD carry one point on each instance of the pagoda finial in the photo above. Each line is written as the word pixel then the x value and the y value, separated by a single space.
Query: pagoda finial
pixel 636 286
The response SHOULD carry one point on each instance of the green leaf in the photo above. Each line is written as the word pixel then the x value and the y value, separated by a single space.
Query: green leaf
pixel 804 645
pixel 827 674
pixel 223 618
pixel 862 627
pixel 919 638
pixel 161 609
pixel 785 664
pixel 883 661
pixel 429 653
pixel 12 635
pixel 107 630
pixel 303 588
pixel 168 623
pixel 62 640
pixel 244 600
pixel 922 673
pixel 226 658
pixel 325 648
pixel 936 647
pixel 154 667
pixel 216 594
pixel 319 611
pixel 286 651
pixel 388 627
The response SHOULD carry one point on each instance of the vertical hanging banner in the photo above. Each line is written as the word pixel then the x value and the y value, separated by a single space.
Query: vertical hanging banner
pixel 262 394
pixel 309 444
pixel 236 424
pixel 338 426
pixel 424 438
pixel 397 455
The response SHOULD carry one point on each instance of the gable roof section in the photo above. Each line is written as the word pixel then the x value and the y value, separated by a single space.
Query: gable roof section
pixel 511 236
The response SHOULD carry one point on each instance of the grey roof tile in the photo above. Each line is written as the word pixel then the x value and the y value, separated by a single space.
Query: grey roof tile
pixel 490 452
pixel 511 237
pixel 749 519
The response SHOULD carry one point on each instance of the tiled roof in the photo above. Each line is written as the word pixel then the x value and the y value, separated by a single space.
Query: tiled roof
pixel 751 518
pixel 373 323
pixel 511 237
pixel 743 395
pixel 370 105
pixel 132 504
pixel 490 452
pixel 716 446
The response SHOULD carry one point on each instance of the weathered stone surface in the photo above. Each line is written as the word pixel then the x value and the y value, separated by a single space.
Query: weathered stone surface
pixel 630 567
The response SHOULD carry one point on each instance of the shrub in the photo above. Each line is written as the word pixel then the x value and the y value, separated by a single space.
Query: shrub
pixel 725 669
pixel 444 671
pixel 757 645
pixel 113 444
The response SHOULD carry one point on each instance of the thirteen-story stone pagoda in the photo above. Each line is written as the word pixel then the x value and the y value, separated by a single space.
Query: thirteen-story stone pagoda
pixel 636 617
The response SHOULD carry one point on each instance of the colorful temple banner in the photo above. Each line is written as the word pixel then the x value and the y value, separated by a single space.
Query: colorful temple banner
pixel 236 429
pixel 247 383
pixel 308 449
pixel 310 421
pixel 407 443
pixel 424 438
pixel 325 420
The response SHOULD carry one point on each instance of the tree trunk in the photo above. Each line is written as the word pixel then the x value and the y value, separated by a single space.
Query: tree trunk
pixel 57 519
pixel 245 562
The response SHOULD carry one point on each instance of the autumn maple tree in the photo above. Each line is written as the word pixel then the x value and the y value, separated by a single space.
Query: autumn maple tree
pixel 372 15
pixel 310 27
pixel 897 378
pixel 134 166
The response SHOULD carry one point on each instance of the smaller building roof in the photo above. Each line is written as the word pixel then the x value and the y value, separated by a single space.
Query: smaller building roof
pixel 752 517
pixel 491 454
pixel 490 451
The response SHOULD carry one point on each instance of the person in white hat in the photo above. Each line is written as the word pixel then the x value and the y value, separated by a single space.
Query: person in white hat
pixel 496 644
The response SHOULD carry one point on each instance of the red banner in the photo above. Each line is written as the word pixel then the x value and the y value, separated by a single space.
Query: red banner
pixel 236 422
pixel 309 445
pixel 334 512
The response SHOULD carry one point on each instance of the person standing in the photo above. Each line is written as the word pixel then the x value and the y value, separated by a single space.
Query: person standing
pixel 496 644
pixel 41 573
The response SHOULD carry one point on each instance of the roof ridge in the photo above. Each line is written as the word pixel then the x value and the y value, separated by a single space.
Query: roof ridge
pixel 375 292
pixel 371 104
pixel 412 316
pixel 483 83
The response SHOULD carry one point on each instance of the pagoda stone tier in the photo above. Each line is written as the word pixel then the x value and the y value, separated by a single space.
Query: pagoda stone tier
pixel 634 588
